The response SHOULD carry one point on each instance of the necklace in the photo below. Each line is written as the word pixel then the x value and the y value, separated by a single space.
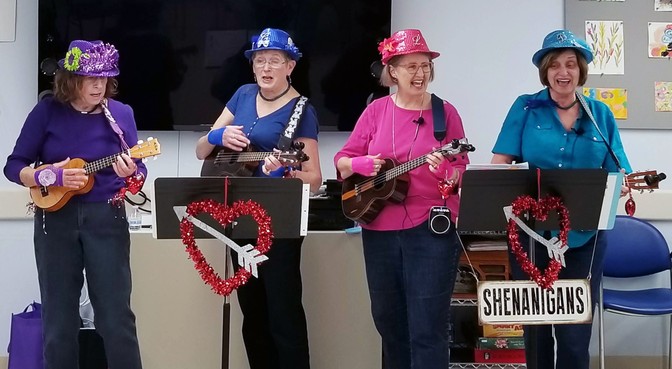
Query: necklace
pixel 417 122
pixel 277 97
pixel 85 111
pixel 566 107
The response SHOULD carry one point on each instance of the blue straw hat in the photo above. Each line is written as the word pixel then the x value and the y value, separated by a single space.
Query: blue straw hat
pixel 274 39
pixel 562 39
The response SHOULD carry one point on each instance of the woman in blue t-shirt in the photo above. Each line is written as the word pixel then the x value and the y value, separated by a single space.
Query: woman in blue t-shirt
pixel 552 129
pixel 260 116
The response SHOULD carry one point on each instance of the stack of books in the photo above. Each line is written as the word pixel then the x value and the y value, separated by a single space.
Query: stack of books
pixel 502 344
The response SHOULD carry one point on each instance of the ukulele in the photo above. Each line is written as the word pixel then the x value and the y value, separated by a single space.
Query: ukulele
pixel 224 162
pixel 364 197
pixel 640 181
pixel 53 198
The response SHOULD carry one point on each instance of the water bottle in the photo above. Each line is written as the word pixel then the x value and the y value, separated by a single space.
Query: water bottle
pixel 135 219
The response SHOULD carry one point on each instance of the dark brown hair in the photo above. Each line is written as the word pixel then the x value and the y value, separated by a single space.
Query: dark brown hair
pixel 550 56
pixel 67 85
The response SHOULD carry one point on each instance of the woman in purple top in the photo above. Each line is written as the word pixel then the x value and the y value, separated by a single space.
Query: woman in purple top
pixel 90 231
pixel 410 268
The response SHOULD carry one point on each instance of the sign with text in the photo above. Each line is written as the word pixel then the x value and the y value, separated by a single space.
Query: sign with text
pixel 524 302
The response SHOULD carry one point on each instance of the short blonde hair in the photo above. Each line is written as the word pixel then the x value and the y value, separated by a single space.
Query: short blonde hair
pixel 386 79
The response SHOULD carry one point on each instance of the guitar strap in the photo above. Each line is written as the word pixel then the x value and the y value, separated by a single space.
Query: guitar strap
pixel 113 124
pixel 287 136
pixel 439 115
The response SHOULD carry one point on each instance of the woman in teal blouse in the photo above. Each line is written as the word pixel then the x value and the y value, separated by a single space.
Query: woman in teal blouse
pixel 552 129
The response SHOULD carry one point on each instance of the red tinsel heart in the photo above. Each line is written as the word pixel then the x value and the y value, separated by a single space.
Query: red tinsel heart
pixel 539 210
pixel 225 215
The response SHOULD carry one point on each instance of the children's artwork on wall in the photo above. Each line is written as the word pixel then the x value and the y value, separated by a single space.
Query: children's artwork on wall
pixel 663 5
pixel 615 98
pixel 663 96
pixel 605 39
pixel 660 40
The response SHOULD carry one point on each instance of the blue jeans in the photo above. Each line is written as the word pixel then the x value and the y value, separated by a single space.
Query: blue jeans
pixel 572 340
pixel 92 236
pixel 411 274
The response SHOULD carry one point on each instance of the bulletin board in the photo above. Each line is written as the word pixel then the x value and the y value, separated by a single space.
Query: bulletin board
pixel 625 33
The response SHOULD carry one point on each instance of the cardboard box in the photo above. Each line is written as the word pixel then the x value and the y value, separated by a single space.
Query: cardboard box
pixel 501 343
pixel 502 330
pixel 499 356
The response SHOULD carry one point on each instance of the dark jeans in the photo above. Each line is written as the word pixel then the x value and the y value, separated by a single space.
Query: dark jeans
pixel 411 274
pixel 274 322
pixel 92 236
pixel 572 340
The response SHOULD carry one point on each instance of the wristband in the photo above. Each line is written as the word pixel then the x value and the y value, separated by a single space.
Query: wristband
pixel 362 165
pixel 215 136
pixel 49 176
pixel 280 172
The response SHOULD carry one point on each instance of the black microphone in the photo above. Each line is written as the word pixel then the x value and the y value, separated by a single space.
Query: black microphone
pixel 419 120
pixel 578 131
pixel 653 179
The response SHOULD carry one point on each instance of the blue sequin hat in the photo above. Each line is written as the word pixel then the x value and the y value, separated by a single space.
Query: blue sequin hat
pixel 273 39
pixel 561 39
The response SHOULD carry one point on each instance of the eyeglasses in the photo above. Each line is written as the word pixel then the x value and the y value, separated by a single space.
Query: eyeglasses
pixel 413 68
pixel 274 63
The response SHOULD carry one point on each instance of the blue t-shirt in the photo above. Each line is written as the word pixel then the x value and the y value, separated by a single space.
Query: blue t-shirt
pixel 264 132
pixel 533 133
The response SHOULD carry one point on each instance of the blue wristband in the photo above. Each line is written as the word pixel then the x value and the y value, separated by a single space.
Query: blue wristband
pixel 278 173
pixel 215 136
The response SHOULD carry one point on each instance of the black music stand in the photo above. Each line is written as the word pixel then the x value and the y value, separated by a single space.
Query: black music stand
pixel 285 200
pixel 485 193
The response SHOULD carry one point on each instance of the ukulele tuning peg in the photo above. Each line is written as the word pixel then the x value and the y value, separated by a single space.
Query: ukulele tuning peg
pixel 140 142
pixel 150 138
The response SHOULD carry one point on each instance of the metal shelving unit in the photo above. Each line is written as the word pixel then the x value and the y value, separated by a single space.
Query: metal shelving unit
pixel 485 366
pixel 473 302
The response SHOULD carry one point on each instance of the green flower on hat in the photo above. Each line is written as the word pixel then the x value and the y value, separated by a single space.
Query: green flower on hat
pixel 71 62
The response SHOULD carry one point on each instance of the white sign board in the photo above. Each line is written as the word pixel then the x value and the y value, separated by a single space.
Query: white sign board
pixel 524 302
pixel 7 20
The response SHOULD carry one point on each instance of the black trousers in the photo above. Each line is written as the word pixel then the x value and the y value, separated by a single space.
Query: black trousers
pixel 274 322
pixel 92 236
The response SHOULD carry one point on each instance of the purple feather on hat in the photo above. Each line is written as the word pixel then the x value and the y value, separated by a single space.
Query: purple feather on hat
pixel 91 58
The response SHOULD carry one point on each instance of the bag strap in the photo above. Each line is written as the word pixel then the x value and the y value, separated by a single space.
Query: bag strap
pixel 439 115
pixel 287 136
pixel 583 102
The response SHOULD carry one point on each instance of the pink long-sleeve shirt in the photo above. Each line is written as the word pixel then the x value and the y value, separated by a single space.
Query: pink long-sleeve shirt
pixel 383 128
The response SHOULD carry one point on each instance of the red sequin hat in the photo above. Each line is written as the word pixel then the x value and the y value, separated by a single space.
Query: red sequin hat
pixel 406 41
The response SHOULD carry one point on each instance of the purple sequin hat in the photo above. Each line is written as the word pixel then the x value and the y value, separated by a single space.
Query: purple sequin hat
pixel 273 39
pixel 91 58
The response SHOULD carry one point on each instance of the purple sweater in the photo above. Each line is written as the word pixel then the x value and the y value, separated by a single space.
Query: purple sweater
pixel 54 131
pixel 373 135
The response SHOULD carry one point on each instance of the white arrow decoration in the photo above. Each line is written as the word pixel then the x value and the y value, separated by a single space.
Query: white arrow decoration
pixel 556 250
pixel 248 257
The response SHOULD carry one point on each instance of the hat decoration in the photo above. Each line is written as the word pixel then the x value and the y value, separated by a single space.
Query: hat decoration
pixel 404 42
pixel 274 39
pixel 562 39
pixel 93 59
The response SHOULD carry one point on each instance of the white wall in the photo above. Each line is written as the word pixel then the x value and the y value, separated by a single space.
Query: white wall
pixel 486 50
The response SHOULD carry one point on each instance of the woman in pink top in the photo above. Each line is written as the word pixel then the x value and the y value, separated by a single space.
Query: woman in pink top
pixel 411 251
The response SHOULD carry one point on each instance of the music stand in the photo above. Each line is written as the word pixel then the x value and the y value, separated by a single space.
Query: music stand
pixel 285 200
pixel 485 193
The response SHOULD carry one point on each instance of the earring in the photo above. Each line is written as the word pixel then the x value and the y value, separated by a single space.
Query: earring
pixel 255 77
pixel 289 79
